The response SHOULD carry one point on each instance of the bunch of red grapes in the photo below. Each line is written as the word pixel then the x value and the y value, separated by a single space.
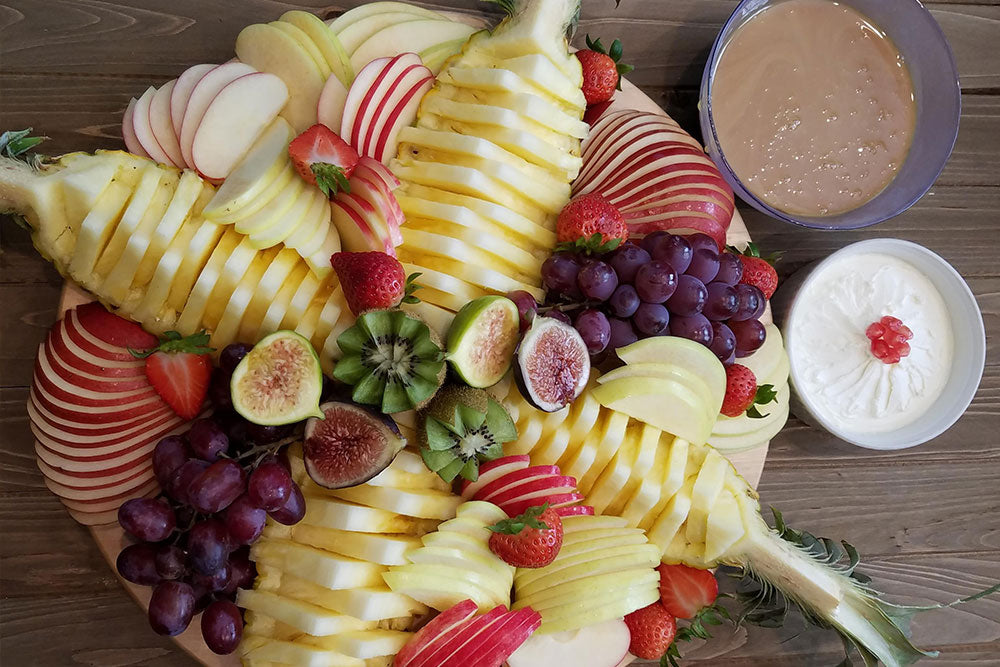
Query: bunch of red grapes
pixel 220 481
pixel 666 284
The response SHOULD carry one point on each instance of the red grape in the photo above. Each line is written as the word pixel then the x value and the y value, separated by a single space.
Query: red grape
pixel 207 439
pixel 242 570
pixel 219 393
pixel 171 608
pixel 689 298
pixel 208 546
pixel 700 240
pixel 527 307
pixel 622 333
pixel 559 315
pixel 626 261
pixel 137 563
pixel 597 280
pixel 559 274
pixel 222 626
pixel 730 269
pixel 594 329
pixel 269 486
pixel 624 301
pixel 723 341
pixel 232 355
pixel 655 282
pixel 670 248
pixel 750 303
pixel 170 454
pixel 170 562
pixel 695 327
pixel 651 319
pixel 217 487
pixel 147 519
pixel 245 520
pixel 704 265
pixel 260 434
pixel 215 582
pixel 293 510
pixel 721 303
pixel 750 335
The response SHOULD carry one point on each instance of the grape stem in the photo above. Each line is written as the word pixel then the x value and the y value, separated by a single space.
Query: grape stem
pixel 261 451
pixel 564 306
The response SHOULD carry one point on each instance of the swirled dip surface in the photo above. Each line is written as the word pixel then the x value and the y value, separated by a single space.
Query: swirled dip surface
pixel 813 107
pixel 836 370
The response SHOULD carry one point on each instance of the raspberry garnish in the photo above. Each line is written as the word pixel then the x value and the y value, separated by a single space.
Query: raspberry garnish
pixel 888 337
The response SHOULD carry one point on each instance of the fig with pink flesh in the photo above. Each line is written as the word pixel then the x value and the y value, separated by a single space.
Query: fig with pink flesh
pixel 350 445
pixel 553 364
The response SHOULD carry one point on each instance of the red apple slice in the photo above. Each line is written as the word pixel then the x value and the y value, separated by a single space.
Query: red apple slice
pixel 603 644
pixel 491 471
pixel 554 501
pixel 68 351
pixel 575 510
pixel 72 444
pixel 366 212
pixel 330 108
pixel 83 396
pixel 109 489
pixel 601 156
pixel 384 182
pixel 201 97
pixel 90 380
pixel 512 478
pixel 75 450
pixel 103 504
pixel 144 131
pixel 368 190
pixel 128 131
pixel 356 235
pixel 110 466
pixel 637 165
pixel 75 427
pixel 519 626
pixel 359 99
pixel 181 93
pixel 95 518
pixel 629 195
pixel 234 120
pixel 89 350
pixel 460 636
pixel 397 110
pixel 116 331
pixel 538 489
pixel 162 125
pixel 85 481
pixel 382 99
pixel 475 651
pixel 72 411
pixel 439 627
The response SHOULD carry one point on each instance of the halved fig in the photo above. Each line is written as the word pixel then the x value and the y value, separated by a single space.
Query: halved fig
pixel 349 445
pixel 482 339
pixel 279 381
pixel 553 364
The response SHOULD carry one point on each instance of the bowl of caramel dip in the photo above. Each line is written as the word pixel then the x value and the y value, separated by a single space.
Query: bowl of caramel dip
pixel 830 115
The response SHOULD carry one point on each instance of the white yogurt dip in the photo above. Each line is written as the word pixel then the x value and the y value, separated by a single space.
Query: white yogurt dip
pixel 835 368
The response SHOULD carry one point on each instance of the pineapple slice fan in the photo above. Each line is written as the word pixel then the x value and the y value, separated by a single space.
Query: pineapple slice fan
pixel 490 159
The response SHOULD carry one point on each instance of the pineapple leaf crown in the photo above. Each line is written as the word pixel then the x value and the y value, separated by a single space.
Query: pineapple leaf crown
pixel 17 145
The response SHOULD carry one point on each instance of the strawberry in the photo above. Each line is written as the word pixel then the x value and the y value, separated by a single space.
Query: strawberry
pixel 531 539
pixel 179 369
pixel 758 271
pixel 323 159
pixel 590 222
pixel 373 280
pixel 602 71
pixel 684 590
pixel 653 629
pixel 742 393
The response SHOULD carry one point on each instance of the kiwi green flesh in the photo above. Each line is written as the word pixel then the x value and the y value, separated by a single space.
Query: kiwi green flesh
pixel 349 445
pixel 462 427
pixel 482 339
pixel 553 364
pixel 391 360
pixel 279 381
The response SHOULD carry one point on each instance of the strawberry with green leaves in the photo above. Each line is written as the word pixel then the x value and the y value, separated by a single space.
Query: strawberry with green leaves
pixel 653 629
pixel 323 159
pixel 532 539
pixel 602 70
pixel 590 223
pixel 373 281
pixel 179 369
pixel 758 271
pixel 743 395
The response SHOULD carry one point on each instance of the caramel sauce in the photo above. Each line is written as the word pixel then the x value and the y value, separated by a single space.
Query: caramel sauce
pixel 813 106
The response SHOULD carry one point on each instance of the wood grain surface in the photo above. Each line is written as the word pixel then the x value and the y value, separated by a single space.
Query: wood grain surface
pixel 927 519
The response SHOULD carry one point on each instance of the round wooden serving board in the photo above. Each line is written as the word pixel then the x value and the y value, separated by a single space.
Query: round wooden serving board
pixel 110 538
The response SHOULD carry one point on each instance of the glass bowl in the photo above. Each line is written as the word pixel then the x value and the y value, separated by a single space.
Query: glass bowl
pixel 938 98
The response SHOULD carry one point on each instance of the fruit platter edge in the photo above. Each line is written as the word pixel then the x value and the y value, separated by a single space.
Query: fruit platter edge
pixel 110 538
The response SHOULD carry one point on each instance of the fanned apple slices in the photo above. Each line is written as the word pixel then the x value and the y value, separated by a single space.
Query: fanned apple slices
pixel 488 165
pixel 133 233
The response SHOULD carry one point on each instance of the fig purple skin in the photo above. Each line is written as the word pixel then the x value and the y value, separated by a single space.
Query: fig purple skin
pixel 558 382
pixel 351 445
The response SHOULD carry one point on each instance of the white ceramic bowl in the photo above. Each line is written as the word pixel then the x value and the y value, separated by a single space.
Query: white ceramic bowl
pixel 967 328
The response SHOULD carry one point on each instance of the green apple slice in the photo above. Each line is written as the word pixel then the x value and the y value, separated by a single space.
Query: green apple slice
pixel 325 40
pixel 413 36
pixel 681 352
pixel 355 34
pixel 668 371
pixel 304 41
pixel 666 404
pixel 352 16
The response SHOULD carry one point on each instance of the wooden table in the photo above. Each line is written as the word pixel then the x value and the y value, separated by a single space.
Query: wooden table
pixel 927 519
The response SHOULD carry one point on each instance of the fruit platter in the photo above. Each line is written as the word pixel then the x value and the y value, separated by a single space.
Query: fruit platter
pixel 407 338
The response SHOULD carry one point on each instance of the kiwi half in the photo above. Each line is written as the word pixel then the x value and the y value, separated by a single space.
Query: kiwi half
pixel 393 361
pixel 461 427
